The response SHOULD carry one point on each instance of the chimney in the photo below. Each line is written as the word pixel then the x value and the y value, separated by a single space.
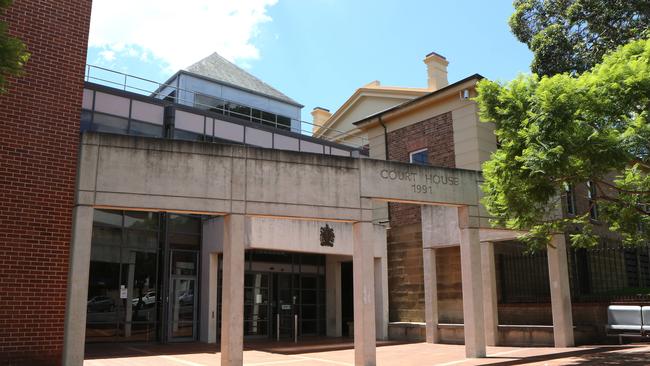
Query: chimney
pixel 436 71
pixel 319 117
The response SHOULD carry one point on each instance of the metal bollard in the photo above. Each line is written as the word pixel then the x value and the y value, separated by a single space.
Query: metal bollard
pixel 295 328
pixel 277 330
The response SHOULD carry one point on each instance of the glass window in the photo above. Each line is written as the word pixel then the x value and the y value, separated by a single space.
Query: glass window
pixel 570 200
pixel 240 111
pixel 209 103
pixel 184 224
pixel 141 220
pixel 420 157
pixel 284 123
pixel 593 206
pixel 107 123
pixel 183 263
pixel 145 129
pixel 108 218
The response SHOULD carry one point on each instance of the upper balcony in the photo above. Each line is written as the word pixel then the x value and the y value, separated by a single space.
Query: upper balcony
pixel 116 102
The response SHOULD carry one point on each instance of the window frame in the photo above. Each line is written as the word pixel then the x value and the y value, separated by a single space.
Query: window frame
pixel 415 152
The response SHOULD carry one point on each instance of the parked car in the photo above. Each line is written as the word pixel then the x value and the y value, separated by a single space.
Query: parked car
pixel 149 298
pixel 101 303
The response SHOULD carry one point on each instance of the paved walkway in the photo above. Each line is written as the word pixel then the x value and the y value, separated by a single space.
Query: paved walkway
pixel 328 353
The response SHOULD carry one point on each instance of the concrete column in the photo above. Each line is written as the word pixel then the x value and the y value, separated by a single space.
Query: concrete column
pixel 211 245
pixel 364 294
pixel 470 262
pixel 490 294
pixel 77 296
pixel 209 284
pixel 381 298
pixel 430 294
pixel 333 297
pixel 232 317
pixel 558 272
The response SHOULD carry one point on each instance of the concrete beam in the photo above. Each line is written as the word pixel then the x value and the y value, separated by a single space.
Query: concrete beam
pixel 470 258
pixel 232 316
pixel 364 295
pixel 558 272
pixel 74 336
pixel 490 294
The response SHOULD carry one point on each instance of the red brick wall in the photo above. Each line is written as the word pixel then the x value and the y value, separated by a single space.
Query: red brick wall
pixel 39 137
pixel 435 134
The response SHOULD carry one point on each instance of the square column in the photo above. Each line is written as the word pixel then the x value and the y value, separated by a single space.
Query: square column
pixel 490 305
pixel 558 272
pixel 470 262
pixel 381 298
pixel 430 294
pixel 211 244
pixel 74 337
pixel 333 297
pixel 364 294
pixel 232 314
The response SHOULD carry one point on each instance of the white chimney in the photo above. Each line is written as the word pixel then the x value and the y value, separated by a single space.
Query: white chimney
pixel 319 117
pixel 436 71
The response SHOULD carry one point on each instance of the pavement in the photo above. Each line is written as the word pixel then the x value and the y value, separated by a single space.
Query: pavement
pixel 341 352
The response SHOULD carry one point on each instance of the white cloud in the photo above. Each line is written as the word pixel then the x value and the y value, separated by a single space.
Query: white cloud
pixel 177 32
pixel 108 55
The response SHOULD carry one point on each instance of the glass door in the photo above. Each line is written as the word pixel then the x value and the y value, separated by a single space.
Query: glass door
pixel 285 306
pixel 182 296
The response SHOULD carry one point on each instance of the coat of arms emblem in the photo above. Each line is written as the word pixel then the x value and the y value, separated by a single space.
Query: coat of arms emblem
pixel 327 236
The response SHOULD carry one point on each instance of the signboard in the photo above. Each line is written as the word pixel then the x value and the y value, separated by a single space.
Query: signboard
pixel 286 307
pixel 123 292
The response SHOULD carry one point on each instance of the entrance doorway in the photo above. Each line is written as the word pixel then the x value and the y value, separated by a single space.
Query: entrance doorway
pixel 283 292
pixel 182 289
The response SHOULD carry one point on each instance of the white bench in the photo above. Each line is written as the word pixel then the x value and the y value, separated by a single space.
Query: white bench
pixel 628 320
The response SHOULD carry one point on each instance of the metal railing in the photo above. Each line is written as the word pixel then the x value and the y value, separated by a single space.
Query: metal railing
pixel 607 273
pixel 136 84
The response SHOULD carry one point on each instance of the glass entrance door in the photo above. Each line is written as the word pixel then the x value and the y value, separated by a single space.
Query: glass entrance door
pixel 182 300
pixel 284 305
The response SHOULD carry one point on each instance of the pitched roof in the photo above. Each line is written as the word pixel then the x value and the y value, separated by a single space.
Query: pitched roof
pixel 218 68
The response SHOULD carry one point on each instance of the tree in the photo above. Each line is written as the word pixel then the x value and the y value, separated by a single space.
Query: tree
pixel 566 130
pixel 573 35
pixel 13 53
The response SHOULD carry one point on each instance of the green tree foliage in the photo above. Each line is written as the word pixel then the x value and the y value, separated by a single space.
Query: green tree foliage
pixel 573 35
pixel 566 130
pixel 13 53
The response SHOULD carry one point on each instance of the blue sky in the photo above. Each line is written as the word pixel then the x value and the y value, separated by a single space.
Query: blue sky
pixel 315 51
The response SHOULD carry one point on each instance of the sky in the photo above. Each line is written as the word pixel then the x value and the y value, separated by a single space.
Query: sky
pixel 318 52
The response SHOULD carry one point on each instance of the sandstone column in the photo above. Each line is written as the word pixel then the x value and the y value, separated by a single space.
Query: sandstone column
pixel 470 260
pixel 558 272
pixel 232 317
pixel 77 297
pixel 490 294
pixel 364 294
pixel 430 294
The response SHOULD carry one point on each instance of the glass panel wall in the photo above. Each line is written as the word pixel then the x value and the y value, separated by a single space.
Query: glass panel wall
pixel 130 275
pixel 124 274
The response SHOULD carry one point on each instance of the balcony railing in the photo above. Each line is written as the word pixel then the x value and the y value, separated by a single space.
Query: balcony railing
pixel 135 84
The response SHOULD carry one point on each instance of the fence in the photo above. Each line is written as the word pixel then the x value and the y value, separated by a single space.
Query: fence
pixel 607 273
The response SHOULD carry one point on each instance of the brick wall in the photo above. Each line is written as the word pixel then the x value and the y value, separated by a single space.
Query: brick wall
pixel 39 136
pixel 435 134
pixel 405 272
